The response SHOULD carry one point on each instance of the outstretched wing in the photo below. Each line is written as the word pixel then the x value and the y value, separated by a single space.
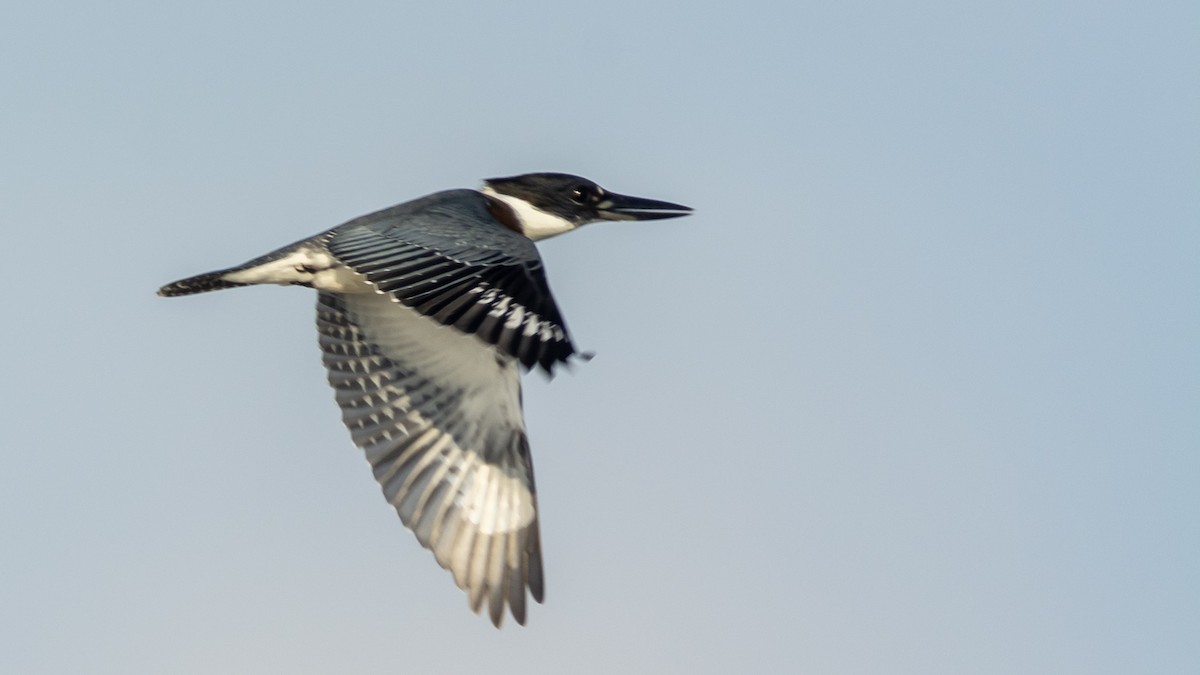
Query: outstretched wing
pixel 448 258
pixel 438 414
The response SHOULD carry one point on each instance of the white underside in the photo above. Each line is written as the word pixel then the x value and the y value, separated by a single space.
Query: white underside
pixel 307 265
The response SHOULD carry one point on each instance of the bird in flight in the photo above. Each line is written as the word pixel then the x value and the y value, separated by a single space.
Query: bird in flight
pixel 426 313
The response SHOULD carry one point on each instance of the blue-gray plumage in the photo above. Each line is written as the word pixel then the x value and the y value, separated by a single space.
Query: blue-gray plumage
pixel 425 313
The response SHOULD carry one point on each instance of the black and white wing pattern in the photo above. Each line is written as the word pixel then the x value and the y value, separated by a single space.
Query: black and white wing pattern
pixel 438 413
pixel 431 254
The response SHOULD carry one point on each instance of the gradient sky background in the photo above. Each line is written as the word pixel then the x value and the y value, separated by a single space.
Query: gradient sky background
pixel 916 389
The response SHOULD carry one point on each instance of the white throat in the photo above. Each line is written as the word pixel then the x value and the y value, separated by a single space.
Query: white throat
pixel 535 223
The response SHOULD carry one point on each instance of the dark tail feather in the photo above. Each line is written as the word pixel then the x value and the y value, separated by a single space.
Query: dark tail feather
pixel 200 283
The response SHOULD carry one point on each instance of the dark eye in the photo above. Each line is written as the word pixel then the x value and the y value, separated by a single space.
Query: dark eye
pixel 583 194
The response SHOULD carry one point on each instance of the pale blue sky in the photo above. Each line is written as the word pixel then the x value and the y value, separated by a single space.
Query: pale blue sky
pixel 916 389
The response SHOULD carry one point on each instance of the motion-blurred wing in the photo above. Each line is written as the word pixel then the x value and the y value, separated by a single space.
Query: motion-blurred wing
pixel 438 414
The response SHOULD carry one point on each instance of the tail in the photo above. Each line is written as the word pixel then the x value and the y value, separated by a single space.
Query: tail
pixel 292 264
pixel 201 283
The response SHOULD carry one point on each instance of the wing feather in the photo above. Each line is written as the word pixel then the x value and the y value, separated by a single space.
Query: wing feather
pixel 438 416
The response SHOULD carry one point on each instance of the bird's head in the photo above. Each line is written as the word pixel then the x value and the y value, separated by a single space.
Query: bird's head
pixel 546 204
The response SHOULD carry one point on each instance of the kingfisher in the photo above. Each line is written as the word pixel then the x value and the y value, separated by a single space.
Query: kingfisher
pixel 427 313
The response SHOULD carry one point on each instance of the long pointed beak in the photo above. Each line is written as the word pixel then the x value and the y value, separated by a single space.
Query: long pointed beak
pixel 624 207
